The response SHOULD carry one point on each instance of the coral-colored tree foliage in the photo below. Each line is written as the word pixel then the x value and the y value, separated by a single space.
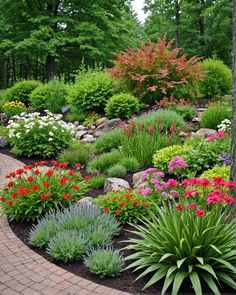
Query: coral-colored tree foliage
pixel 155 70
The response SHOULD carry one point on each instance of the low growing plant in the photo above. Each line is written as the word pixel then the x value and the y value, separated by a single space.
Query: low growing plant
pixel 214 115
pixel 34 190
pixel 217 171
pixel 91 118
pixel 126 206
pixel 131 164
pixel 97 181
pixel 104 262
pixel 32 134
pixel 186 111
pixel 104 161
pixel 109 140
pixel 117 170
pixel 74 155
pixel 176 245
pixel 12 108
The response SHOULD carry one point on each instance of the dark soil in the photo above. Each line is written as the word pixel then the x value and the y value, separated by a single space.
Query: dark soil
pixel 124 282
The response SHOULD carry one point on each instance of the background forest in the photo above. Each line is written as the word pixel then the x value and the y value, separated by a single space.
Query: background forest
pixel 43 38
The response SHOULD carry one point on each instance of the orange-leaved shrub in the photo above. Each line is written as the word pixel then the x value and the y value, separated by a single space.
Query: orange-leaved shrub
pixel 155 70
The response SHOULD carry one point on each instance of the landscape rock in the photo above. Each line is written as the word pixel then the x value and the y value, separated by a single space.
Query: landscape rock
pixel 91 126
pixel 137 178
pixel 111 124
pixel 76 123
pixel 81 128
pixel 98 133
pixel 101 121
pixel 205 132
pixel 80 134
pixel 115 184
pixel 196 120
pixel 85 200
pixel 88 138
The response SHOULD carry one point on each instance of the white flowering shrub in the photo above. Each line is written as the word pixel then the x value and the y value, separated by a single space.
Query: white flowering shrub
pixel 225 125
pixel 35 135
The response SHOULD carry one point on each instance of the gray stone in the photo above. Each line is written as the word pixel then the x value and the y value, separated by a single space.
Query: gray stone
pixel 113 123
pixel 85 200
pixel 80 134
pixel 115 184
pixel 205 132
pixel 91 126
pixel 98 133
pixel 81 128
pixel 101 121
pixel 88 138
pixel 196 120
pixel 137 178
pixel 76 123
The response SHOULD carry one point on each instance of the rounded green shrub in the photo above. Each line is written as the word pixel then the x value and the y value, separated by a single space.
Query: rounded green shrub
pixel 214 115
pixel 50 96
pixel 218 79
pixel 116 170
pixel 222 171
pixel 104 262
pixel 21 90
pixel 162 157
pixel 91 91
pixel 122 106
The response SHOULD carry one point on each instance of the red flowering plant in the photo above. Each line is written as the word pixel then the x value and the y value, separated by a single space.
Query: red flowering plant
pixel 35 189
pixel 126 206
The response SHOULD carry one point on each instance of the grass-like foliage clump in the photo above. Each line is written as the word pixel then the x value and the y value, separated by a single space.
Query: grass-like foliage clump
pixel 104 262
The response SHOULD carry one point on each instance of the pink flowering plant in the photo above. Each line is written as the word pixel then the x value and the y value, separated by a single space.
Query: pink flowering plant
pixel 35 189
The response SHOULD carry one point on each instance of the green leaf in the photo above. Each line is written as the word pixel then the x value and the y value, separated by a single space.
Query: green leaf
pixel 166 256
pixel 200 259
pixel 226 279
pixel 225 263
pixel 196 283
pixel 180 262
pixel 216 249
pixel 208 279
pixel 156 277
pixel 167 282
pixel 179 277
pixel 208 268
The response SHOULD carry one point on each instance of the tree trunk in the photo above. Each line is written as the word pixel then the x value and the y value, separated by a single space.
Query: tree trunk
pixel 233 167
pixel 177 19
pixel 50 67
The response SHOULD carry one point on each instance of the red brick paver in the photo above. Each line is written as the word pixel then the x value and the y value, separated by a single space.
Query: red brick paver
pixel 24 272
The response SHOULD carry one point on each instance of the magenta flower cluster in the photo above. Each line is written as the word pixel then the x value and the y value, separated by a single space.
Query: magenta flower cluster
pixel 176 164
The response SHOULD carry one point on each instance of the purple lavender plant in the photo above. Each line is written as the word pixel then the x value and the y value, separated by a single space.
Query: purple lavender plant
pixel 3 142
pixel 226 158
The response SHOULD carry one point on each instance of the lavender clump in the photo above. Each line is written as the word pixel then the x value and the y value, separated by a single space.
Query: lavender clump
pixel 3 142
pixel 226 158
pixel 64 109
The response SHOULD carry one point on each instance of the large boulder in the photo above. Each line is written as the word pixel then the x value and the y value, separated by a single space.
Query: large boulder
pixel 80 134
pixel 89 138
pixel 115 184
pixel 111 124
pixel 102 121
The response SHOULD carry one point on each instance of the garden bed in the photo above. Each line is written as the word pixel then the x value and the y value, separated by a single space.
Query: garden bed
pixel 124 282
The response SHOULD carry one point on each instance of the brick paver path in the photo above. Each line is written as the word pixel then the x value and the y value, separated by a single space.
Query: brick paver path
pixel 24 272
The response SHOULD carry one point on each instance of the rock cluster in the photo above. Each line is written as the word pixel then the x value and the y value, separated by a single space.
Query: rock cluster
pixel 92 131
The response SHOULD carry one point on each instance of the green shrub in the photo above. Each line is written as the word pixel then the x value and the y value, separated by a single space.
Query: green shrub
pixel 3 100
pixel 91 91
pixel 51 96
pixel 104 161
pixel 164 117
pixel 218 79
pixel 12 108
pixel 110 140
pixel 163 156
pixel 125 206
pixel 116 170
pixel 222 171
pixel 155 70
pixel 176 246
pixel 33 135
pixel 130 163
pixel 214 115
pixel 37 190
pixel 79 116
pixel 97 181
pixel 104 262
pixel 74 155
pixel 186 111
pixel 67 246
pixel 122 106
pixel 21 90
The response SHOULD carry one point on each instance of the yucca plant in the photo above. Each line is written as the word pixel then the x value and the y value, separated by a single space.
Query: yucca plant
pixel 176 245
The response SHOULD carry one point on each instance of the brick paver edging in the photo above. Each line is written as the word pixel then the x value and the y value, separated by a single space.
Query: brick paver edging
pixel 24 272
